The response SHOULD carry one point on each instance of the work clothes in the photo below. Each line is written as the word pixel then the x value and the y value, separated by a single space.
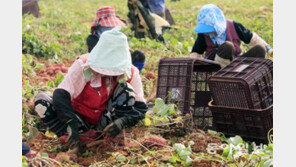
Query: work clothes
pixel 90 82
pixel 236 32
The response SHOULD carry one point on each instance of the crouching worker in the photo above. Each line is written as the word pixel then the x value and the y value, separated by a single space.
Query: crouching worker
pixel 102 91
pixel 220 39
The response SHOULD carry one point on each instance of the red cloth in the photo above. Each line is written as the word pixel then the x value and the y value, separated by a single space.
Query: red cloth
pixel 91 102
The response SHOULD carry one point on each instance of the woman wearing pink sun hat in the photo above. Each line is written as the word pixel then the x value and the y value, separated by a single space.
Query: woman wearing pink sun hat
pixel 106 19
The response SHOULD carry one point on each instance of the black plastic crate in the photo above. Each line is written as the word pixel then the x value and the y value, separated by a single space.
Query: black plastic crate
pixel 251 124
pixel 184 82
pixel 244 83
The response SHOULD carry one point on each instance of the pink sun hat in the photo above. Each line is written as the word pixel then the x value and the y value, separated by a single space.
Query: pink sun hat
pixel 106 17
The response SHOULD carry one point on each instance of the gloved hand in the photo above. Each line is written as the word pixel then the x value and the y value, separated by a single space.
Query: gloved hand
pixel 115 127
pixel 73 134
pixel 126 118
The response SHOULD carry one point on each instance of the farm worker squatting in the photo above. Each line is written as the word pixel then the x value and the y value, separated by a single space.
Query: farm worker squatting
pixel 107 20
pixel 102 91
pixel 220 38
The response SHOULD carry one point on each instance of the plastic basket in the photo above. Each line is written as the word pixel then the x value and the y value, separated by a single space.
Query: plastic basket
pixel 184 82
pixel 251 124
pixel 244 83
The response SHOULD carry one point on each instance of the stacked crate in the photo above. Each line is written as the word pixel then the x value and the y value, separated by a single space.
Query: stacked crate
pixel 184 81
pixel 243 98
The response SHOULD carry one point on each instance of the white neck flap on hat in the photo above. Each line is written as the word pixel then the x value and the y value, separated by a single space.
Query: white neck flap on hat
pixel 111 55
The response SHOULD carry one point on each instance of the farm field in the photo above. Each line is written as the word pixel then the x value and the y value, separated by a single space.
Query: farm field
pixel 53 41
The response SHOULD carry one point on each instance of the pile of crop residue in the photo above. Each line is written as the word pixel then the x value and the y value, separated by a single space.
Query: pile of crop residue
pixel 135 146
pixel 50 71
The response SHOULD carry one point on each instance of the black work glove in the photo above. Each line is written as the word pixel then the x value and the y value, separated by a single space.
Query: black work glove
pixel 73 134
pixel 116 127
pixel 126 118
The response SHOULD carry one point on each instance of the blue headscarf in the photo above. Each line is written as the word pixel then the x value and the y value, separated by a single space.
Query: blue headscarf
pixel 213 16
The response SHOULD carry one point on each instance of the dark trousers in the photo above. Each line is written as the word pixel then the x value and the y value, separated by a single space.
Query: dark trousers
pixel 227 51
